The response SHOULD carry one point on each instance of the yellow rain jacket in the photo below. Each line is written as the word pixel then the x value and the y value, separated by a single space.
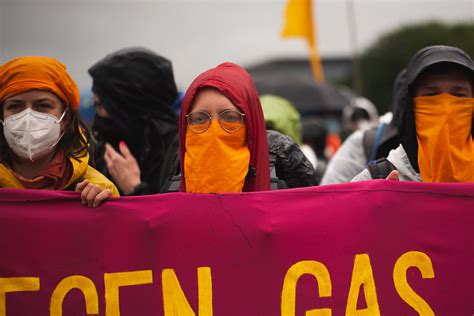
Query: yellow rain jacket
pixel 81 171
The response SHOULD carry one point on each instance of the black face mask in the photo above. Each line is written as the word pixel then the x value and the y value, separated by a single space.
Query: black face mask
pixel 109 131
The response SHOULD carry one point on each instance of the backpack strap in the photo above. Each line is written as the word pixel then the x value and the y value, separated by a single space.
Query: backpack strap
pixel 381 168
pixel 371 141
pixel 367 142
pixel 378 138
pixel 174 183
pixel 275 183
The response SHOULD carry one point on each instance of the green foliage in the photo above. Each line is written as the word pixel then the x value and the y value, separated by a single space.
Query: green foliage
pixel 381 62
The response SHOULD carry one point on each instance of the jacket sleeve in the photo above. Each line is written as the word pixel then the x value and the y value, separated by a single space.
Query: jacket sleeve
pixel 348 161
pixel 95 177
pixel 363 176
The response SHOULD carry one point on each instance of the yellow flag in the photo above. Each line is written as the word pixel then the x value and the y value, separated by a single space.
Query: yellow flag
pixel 299 23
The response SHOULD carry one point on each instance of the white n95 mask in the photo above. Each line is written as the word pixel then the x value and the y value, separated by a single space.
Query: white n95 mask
pixel 31 134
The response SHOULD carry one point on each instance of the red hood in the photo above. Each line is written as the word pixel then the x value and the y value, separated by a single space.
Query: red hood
pixel 237 85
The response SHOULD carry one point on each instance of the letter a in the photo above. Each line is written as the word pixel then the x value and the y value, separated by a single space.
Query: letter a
pixel 362 276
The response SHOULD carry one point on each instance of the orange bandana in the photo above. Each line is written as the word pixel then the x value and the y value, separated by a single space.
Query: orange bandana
pixel 445 146
pixel 23 74
pixel 216 161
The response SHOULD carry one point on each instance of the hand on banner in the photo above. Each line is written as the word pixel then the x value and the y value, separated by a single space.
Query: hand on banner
pixel 92 194
pixel 123 167
pixel 394 175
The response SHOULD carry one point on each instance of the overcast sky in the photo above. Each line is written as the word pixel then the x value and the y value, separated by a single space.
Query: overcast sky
pixel 198 34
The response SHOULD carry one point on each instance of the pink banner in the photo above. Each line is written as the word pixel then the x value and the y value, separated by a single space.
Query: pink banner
pixel 372 248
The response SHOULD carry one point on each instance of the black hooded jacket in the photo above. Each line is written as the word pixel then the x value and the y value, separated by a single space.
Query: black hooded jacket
pixel 137 89
pixel 423 59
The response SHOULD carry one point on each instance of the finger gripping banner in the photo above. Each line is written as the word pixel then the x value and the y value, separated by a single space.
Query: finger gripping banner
pixel 370 248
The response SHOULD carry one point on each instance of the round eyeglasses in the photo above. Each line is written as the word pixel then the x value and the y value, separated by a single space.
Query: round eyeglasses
pixel 229 120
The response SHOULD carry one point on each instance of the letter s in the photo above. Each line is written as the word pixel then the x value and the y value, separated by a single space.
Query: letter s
pixel 421 261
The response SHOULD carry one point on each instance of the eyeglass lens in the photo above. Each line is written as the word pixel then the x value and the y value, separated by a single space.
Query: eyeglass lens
pixel 230 121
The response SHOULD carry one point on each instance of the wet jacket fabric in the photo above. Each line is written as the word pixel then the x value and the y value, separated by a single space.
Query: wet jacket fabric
pixel 81 171
pixel 137 88
pixel 291 164
pixel 421 61
pixel 237 85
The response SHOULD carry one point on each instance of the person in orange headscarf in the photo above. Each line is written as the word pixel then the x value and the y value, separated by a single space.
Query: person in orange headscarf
pixel 44 144
pixel 436 121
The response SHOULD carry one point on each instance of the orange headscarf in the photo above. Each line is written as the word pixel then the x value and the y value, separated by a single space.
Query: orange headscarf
pixel 27 73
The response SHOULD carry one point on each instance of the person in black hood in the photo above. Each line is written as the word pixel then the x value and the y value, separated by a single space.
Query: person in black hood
pixel 135 125
pixel 435 121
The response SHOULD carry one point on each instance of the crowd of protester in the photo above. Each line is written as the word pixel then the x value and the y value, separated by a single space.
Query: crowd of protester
pixel 226 138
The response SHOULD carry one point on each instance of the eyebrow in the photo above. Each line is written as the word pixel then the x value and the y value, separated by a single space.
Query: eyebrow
pixel 461 87
pixel 44 99
pixel 13 100
pixel 431 87
pixel 20 100
pixel 457 87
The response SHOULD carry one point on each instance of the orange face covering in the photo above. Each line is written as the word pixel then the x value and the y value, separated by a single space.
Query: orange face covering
pixel 23 74
pixel 445 146
pixel 216 161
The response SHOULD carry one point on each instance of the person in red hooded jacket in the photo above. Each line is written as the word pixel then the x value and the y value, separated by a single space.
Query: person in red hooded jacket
pixel 223 141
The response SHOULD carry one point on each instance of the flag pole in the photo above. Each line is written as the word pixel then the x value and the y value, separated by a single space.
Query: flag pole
pixel 315 59
pixel 352 24
pixel 316 65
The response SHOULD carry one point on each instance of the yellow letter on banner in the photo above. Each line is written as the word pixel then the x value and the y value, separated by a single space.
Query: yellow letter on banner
pixel 288 294
pixel 15 285
pixel 174 300
pixel 423 263
pixel 75 282
pixel 115 280
pixel 362 276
